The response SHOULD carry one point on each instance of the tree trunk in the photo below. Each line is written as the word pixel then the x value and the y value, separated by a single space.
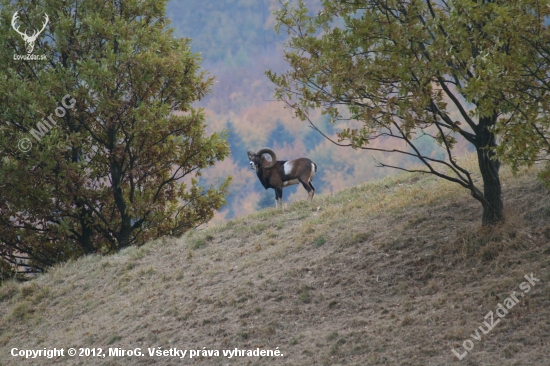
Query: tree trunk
pixel 492 193
pixel 123 236
pixel 489 168
pixel 86 239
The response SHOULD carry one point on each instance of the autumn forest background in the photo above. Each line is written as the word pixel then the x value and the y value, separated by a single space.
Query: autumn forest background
pixel 238 43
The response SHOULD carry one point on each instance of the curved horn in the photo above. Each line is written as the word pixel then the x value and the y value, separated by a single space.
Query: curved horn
pixel 267 150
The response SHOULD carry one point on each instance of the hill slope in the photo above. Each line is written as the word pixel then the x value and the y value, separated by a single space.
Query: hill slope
pixel 393 272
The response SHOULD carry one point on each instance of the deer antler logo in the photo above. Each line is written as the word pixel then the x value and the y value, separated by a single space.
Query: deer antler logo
pixel 29 40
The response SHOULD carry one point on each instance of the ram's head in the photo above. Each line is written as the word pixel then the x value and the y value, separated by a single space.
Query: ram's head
pixel 257 159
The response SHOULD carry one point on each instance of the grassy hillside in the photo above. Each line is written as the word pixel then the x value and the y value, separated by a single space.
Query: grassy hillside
pixel 393 272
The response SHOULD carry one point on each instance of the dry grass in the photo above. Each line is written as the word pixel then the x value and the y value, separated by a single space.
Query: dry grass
pixel 393 272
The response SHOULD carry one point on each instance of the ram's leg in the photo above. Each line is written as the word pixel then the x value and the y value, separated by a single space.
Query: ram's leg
pixel 310 181
pixel 279 197
pixel 308 188
pixel 312 193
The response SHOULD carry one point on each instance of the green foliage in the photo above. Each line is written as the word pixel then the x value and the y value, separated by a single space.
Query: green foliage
pixel 403 70
pixel 525 127
pixel 120 166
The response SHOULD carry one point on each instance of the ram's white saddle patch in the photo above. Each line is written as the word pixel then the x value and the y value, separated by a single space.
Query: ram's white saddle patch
pixel 288 168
